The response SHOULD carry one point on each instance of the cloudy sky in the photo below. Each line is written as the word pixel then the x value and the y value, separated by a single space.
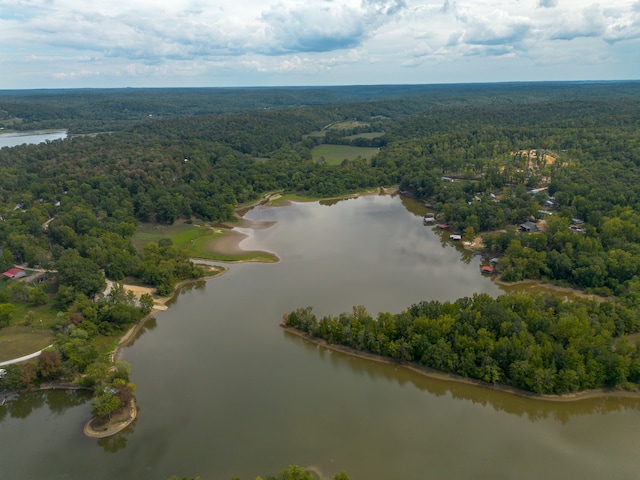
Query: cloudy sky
pixel 136 43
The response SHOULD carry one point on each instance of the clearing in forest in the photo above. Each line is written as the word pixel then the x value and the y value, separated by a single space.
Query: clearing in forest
pixel 336 154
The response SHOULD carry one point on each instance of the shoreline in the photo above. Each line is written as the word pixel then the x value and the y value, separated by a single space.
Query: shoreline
pixel 121 421
pixel 229 244
pixel 452 377
pixel 160 304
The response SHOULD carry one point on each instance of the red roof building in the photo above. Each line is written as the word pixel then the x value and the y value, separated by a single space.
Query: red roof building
pixel 14 273
pixel 486 269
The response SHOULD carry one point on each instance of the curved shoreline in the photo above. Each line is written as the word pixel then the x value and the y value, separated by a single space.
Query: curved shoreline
pixel 114 425
pixel 231 245
pixel 451 377
pixel 160 304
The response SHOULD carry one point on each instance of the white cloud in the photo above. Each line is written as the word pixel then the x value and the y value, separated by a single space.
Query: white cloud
pixel 548 3
pixel 497 28
pixel 322 41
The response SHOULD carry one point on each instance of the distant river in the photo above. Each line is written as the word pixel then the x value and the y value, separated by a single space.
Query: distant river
pixel 224 392
pixel 13 139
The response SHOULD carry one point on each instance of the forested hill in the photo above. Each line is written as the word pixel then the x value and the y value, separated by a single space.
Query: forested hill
pixel 101 110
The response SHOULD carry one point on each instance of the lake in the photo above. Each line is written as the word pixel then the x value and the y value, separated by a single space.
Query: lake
pixel 224 392
pixel 13 139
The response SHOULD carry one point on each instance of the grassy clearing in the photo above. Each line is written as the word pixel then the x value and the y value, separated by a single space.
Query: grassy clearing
pixel 290 197
pixel 18 341
pixel 283 200
pixel 182 234
pixel 336 154
pixel 196 241
pixel 262 257
pixel 29 330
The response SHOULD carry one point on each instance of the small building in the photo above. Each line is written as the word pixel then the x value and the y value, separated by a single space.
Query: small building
pixel 14 273
pixel 529 227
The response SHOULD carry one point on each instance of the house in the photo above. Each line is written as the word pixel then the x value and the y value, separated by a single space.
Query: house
pixel 14 273
pixel 529 227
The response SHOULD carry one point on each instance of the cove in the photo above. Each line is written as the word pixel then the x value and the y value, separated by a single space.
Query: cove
pixel 223 391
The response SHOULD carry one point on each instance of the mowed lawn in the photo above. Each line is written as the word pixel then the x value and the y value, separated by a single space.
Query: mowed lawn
pixel 19 341
pixel 182 235
pixel 336 154
pixel 195 240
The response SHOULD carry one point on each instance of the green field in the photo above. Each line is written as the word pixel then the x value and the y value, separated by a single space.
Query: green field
pixel 19 341
pixel 182 234
pixel 336 154
pixel 195 240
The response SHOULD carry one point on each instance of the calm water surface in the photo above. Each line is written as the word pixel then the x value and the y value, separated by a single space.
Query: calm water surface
pixel 13 139
pixel 224 392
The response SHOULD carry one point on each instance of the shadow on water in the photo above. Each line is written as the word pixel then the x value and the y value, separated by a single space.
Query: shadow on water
pixel 187 287
pixel 58 401
pixel 151 323
pixel 118 441
pixel 532 408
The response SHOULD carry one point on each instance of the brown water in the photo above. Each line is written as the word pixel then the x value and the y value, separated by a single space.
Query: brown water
pixel 224 392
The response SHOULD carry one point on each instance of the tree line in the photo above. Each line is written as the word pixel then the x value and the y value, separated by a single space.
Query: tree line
pixel 535 343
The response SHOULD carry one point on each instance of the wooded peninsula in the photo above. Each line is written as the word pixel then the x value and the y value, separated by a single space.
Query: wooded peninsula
pixel 543 177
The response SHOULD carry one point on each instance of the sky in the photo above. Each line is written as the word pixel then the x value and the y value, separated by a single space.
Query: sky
pixel 212 43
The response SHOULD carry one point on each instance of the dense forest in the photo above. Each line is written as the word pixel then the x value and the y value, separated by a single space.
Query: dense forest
pixel 564 157
pixel 535 343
